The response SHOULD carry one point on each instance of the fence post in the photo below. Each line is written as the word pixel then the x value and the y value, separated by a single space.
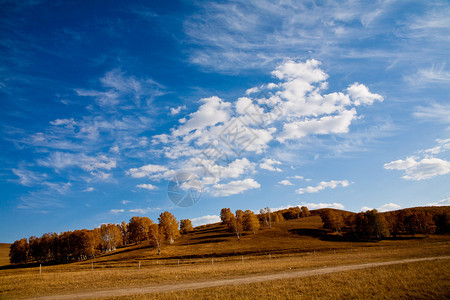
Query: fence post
pixel 92 266
pixel 212 260
pixel 242 258
pixel 40 269
pixel 139 265
pixel 314 252
pixel 269 255
pixel 178 263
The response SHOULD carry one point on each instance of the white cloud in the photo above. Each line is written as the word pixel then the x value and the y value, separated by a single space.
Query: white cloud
pixel 388 207
pixel 307 72
pixel 89 189
pixel 27 177
pixel 208 219
pixel 269 164
pixel 143 210
pixel 175 111
pixel 323 205
pixel 443 145
pixel 234 187
pixel 61 160
pixel 424 77
pixel 124 202
pixel 66 122
pixel 383 208
pixel 323 185
pixel 360 94
pixel 285 182
pixel 324 125
pixel 416 169
pixel 366 208
pixel 147 186
pixel 213 110
pixel 150 171
pixel 116 211
pixel 443 202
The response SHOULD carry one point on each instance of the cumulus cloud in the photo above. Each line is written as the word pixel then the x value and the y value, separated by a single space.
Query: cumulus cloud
pixel 89 189
pixel 415 168
pixel 116 211
pixel 323 185
pixel 323 205
pixel 147 186
pixel 234 187
pixel 269 164
pixel 175 111
pixel 360 94
pixel 151 171
pixel 313 206
pixel 285 182
pixel 388 207
pixel 383 208
pixel 208 219
pixel 324 125
pixel 213 110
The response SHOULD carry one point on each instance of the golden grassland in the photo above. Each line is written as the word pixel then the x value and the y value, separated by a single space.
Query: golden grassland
pixel 420 280
pixel 295 244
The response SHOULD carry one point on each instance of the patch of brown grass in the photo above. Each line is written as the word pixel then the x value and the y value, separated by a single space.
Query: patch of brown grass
pixel 73 278
pixel 420 280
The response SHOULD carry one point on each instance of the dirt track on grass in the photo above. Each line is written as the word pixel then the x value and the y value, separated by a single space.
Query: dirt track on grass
pixel 232 281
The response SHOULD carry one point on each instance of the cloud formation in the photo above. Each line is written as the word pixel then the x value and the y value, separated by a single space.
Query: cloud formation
pixel 323 185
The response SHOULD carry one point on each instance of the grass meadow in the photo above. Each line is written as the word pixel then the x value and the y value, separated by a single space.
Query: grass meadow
pixel 212 253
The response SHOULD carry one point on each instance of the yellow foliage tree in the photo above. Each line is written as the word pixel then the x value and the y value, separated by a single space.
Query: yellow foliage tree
pixel 250 222
pixel 169 226
pixel 186 226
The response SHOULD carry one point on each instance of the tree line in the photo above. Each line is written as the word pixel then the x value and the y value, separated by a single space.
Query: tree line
pixel 85 244
pixel 371 224
pixel 241 221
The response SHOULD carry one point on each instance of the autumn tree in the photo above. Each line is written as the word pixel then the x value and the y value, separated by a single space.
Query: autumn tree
pixel 186 226
pixel 332 220
pixel 18 252
pixel 277 217
pixel 226 215
pixel 250 222
pixel 111 236
pixel 267 216
pixel 124 232
pixel 305 211
pixel 169 226
pixel 138 229
pixel 420 222
pixel 377 225
pixel 156 236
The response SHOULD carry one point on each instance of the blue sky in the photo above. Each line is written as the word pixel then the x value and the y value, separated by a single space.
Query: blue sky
pixel 313 103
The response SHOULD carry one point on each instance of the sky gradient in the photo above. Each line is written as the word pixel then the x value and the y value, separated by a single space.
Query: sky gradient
pixel 264 103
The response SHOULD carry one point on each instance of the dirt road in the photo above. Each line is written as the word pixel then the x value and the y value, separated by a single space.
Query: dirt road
pixel 232 281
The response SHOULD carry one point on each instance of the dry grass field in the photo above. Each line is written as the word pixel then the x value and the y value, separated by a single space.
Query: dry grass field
pixel 212 253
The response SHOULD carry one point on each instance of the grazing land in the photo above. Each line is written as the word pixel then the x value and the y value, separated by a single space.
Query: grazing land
pixel 212 253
